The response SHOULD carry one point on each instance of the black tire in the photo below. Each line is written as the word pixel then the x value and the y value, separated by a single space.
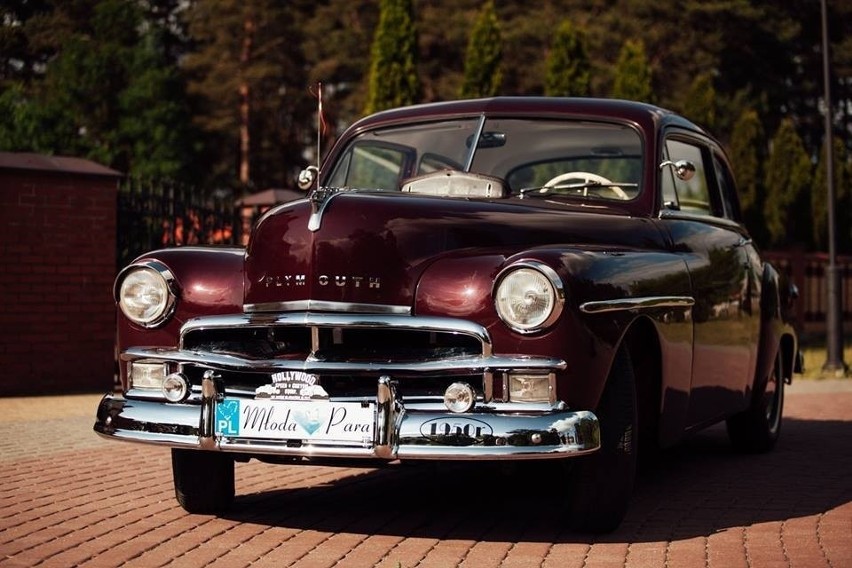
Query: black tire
pixel 204 481
pixel 603 482
pixel 756 430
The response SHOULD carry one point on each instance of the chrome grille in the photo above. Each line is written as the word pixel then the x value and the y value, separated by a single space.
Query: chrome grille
pixel 369 344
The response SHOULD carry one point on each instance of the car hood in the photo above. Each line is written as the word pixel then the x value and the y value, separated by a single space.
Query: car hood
pixel 372 249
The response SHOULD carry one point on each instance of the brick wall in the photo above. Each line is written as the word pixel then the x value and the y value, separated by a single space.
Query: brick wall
pixel 57 264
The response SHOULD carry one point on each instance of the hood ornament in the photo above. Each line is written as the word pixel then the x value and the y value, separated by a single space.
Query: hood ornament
pixel 320 198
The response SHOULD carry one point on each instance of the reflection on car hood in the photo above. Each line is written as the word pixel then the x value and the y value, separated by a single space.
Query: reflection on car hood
pixel 372 249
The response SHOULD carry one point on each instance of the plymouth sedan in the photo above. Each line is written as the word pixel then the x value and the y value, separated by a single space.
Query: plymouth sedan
pixel 552 279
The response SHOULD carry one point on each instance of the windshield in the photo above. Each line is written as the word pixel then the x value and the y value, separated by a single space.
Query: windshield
pixel 548 158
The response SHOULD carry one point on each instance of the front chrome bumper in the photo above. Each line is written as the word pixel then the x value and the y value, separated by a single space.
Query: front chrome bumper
pixel 398 433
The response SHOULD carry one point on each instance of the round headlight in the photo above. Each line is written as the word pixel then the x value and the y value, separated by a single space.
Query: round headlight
pixel 145 294
pixel 529 296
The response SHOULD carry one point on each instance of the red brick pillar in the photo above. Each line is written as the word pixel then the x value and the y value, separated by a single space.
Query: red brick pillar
pixel 57 264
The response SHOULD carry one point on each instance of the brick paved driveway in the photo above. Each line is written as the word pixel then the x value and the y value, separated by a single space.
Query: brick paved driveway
pixel 71 499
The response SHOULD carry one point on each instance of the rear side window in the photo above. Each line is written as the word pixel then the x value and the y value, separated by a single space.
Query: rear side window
pixel 727 189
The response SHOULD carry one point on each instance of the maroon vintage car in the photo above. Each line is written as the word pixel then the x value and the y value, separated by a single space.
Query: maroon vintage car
pixel 497 279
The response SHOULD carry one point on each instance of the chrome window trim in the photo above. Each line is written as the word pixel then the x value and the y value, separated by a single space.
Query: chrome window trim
pixel 322 305
pixel 641 303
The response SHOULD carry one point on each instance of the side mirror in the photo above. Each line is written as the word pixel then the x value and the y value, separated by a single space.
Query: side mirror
pixel 684 169
pixel 307 178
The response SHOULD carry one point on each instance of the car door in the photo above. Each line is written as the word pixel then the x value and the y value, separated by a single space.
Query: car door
pixel 702 217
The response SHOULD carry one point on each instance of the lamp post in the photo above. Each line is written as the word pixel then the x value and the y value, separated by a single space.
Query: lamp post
pixel 834 364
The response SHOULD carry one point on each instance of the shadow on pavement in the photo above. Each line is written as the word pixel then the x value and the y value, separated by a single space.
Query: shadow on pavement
pixel 696 489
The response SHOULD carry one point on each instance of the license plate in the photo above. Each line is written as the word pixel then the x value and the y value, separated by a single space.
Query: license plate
pixel 295 420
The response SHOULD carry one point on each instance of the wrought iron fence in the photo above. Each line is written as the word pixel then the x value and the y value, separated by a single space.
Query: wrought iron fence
pixel 156 213
pixel 807 270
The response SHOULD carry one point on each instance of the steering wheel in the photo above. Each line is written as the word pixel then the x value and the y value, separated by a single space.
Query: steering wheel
pixel 584 178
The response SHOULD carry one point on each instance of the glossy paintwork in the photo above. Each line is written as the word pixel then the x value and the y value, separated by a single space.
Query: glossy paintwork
pixel 440 256
pixel 396 237
pixel 209 280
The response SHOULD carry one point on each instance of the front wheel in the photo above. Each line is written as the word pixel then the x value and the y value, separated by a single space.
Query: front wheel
pixel 603 482
pixel 204 481
pixel 756 429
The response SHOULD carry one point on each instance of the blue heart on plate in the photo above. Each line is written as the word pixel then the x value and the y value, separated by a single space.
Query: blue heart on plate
pixel 309 420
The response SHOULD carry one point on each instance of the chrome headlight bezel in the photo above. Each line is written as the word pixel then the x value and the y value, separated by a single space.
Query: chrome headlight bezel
pixel 157 277
pixel 550 284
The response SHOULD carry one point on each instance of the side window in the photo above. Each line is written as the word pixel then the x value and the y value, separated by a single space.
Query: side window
pixel 726 188
pixel 369 166
pixel 693 196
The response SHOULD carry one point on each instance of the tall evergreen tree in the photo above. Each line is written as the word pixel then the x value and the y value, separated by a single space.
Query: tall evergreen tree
pixel 633 73
pixel 747 155
pixel 482 74
pixel 842 204
pixel 700 104
pixel 393 79
pixel 568 68
pixel 787 209
pixel 248 79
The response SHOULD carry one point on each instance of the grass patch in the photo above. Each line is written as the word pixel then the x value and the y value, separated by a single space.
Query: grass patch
pixel 814 353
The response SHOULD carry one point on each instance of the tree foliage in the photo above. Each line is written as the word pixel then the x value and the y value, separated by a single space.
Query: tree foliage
pixel 843 198
pixel 482 74
pixel 568 68
pixel 393 76
pixel 747 153
pixel 250 89
pixel 700 104
pixel 788 182
pixel 154 86
pixel 633 73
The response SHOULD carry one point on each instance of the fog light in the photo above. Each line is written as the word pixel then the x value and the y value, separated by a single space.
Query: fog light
pixel 529 388
pixel 175 387
pixel 459 397
pixel 147 375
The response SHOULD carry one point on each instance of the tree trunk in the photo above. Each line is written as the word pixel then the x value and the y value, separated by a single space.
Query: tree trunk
pixel 245 105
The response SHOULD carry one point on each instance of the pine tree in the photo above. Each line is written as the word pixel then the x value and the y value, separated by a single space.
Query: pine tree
pixel 482 74
pixel 747 155
pixel 787 210
pixel 393 77
pixel 633 73
pixel 842 205
pixel 568 68
pixel 700 104
pixel 249 80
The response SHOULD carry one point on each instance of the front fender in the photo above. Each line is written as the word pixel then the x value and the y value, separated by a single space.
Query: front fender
pixel 209 280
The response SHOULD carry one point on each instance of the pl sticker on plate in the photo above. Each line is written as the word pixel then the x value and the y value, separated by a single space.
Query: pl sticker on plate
pixel 295 420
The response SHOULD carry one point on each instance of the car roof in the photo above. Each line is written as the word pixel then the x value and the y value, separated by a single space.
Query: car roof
pixel 647 116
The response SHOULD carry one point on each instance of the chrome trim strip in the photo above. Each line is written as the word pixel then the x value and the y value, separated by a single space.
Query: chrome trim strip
pixel 330 320
pixel 645 303
pixel 460 366
pixel 321 305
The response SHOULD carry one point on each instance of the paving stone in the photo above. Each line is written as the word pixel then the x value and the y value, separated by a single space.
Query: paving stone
pixel 70 498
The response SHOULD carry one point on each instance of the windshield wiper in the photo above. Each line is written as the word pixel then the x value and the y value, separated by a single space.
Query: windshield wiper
pixel 580 188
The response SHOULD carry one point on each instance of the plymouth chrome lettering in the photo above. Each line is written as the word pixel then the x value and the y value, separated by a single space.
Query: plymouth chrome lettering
pixel 338 280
